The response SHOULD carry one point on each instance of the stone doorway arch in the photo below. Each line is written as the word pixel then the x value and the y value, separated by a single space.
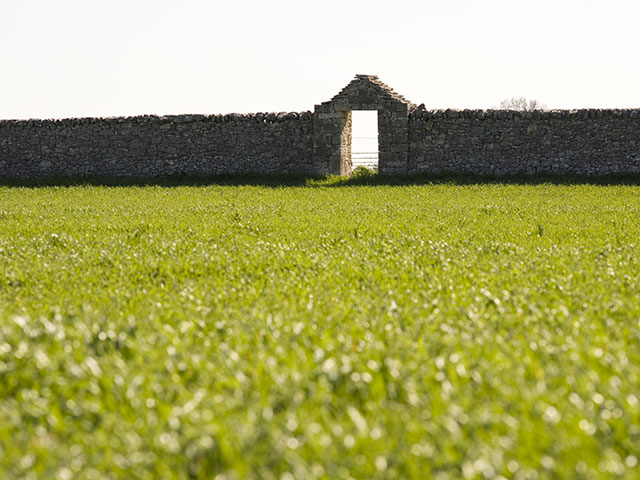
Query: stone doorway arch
pixel 332 123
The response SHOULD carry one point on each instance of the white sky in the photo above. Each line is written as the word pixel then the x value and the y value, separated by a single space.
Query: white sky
pixel 62 58
pixel 364 133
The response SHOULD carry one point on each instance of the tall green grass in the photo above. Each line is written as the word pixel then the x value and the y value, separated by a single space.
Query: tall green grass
pixel 271 331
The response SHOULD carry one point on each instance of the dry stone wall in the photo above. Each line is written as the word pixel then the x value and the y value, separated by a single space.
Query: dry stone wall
pixel 411 140
pixel 499 142
pixel 151 146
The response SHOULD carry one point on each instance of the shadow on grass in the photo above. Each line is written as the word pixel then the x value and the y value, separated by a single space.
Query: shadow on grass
pixel 280 181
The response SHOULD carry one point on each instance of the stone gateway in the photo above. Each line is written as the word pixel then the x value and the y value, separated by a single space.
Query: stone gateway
pixel 412 139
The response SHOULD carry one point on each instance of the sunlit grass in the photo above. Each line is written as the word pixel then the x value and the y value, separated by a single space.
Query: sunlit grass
pixel 323 332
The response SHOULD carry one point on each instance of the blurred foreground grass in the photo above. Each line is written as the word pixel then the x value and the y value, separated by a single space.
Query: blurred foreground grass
pixel 438 331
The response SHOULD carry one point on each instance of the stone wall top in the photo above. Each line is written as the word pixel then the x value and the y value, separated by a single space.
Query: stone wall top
pixel 368 90
pixel 261 117
pixel 361 81
pixel 423 112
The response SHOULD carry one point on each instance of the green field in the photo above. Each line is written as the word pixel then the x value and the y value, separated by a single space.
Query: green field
pixel 320 331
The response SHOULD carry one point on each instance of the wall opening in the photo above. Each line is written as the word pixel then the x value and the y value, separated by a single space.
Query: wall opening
pixel 364 139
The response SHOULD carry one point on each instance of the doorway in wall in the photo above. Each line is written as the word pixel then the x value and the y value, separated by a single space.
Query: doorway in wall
pixel 364 139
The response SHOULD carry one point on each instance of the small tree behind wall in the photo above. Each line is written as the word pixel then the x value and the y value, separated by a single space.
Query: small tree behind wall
pixel 522 104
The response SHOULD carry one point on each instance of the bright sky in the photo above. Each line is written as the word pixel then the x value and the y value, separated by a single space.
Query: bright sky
pixel 67 58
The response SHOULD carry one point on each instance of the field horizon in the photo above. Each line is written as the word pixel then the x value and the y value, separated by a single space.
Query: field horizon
pixel 369 178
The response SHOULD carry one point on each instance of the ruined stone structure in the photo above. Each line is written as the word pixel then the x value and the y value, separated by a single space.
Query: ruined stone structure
pixel 332 127
pixel 412 139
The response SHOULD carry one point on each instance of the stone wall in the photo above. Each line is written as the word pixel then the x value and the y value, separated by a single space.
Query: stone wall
pixel 151 146
pixel 498 142
pixel 411 140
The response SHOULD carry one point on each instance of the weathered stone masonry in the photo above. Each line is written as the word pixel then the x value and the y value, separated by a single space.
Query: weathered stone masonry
pixel 586 142
pixel 332 127
pixel 150 146
pixel 411 139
